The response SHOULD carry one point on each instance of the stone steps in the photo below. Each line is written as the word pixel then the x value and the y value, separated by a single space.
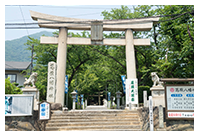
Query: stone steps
pixel 104 123
pixel 94 114
pixel 101 120
pixel 96 108
pixel 95 117
pixel 95 128
pixel 73 112
pixel 91 120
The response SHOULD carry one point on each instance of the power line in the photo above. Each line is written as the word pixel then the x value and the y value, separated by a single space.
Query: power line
pixel 23 19
pixel 89 22
pixel 54 6
pixel 22 28
pixel 21 5
pixel 67 16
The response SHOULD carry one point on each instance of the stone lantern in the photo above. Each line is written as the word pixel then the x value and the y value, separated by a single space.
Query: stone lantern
pixel 118 93
pixel 74 97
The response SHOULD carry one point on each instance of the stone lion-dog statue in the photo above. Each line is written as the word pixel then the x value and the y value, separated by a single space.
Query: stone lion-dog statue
pixel 31 80
pixel 156 79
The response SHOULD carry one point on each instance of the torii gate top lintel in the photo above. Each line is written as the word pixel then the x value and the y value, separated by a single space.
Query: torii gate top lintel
pixel 141 24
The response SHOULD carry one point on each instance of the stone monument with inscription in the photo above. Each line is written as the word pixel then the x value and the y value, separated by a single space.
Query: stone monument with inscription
pixel 51 85
pixel 157 91
pixel 28 89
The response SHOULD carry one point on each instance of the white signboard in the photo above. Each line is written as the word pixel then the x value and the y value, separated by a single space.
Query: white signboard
pixel 44 111
pixel 180 97
pixel 151 112
pixel 131 91
pixel 19 104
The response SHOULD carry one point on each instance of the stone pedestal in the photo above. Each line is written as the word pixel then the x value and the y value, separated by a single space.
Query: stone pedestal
pixel 35 92
pixel 161 117
pixel 130 106
pixel 109 104
pixel 158 95
pixel 118 93
pixel 145 98
pixel 85 103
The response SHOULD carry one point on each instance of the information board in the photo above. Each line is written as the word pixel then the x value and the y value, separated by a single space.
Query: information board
pixel 131 91
pixel 19 104
pixel 180 101
pixel 44 111
pixel 180 97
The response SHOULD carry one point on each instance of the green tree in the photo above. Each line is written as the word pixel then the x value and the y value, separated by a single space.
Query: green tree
pixel 177 41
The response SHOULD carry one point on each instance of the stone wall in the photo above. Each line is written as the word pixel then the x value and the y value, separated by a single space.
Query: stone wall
pixel 169 125
pixel 23 123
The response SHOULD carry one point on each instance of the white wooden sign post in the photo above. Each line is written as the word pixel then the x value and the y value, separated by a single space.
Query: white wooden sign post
pixel 151 112
pixel 132 91
pixel 44 112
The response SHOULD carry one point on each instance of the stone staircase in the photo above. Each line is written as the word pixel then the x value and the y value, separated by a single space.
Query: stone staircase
pixel 101 120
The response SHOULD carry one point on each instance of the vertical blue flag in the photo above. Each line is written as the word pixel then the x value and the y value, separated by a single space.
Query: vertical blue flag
pixel 123 83
pixel 109 96
pixel 82 98
pixel 66 84
pixel 76 96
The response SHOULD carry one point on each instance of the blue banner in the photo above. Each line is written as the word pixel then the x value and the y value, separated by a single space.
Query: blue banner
pixel 82 98
pixel 66 84
pixel 123 77
pixel 76 96
pixel 109 96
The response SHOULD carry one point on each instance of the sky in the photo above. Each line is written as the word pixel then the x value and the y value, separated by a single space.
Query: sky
pixel 21 14
pixel 18 11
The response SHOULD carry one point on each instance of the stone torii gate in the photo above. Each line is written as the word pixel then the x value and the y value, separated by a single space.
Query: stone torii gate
pixel 97 27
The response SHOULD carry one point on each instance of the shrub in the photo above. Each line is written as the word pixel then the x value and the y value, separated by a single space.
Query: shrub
pixel 11 88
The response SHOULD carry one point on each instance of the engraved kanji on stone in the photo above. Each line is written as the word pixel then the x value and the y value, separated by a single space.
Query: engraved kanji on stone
pixel 51 96
pixel 52 66
pixel 51 88
pixel 51 82
pixel 51 73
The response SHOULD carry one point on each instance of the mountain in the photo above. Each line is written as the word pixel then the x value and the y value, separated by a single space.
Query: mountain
pixel 15 50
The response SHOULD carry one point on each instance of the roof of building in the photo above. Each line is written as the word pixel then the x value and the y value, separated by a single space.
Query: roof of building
pixel 13 65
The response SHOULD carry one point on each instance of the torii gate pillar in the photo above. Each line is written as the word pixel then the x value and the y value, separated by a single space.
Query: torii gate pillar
pixel 130 55
pixel 61 65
